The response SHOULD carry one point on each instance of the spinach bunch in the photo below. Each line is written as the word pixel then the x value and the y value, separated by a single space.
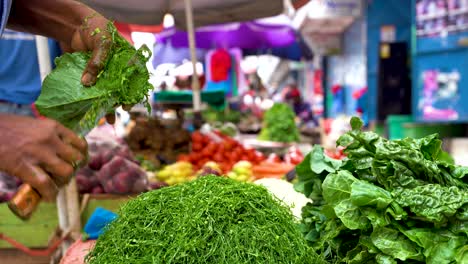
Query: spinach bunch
pixel 387 202
pixel 279 124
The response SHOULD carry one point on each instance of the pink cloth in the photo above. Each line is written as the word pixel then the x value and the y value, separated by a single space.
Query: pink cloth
pixel 76 254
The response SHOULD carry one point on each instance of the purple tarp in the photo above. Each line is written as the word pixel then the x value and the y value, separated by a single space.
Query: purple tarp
pixel 246 35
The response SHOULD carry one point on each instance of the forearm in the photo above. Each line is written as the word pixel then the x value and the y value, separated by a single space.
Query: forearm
pixel 58 19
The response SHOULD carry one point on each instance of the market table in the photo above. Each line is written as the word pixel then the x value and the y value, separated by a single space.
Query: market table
pixel 215 98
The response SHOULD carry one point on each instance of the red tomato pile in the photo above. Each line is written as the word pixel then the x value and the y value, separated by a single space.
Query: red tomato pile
pixel 294 156
pixel 225 153
pixel 335 154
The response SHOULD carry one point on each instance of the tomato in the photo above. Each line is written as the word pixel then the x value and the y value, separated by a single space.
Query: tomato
pixel 197 146
pixel 206 140
pixel 197 137
pixel 206 153
pixel 228 146
pixel 202 162
pixel 218 157
pixel 221 148
pixel 193 158
pixel 245 157
pixel 224 167
pixel 239 151
pixel 183 157
pixel 273 158
pixel 211 147
pixel 296 160
pixel 234 157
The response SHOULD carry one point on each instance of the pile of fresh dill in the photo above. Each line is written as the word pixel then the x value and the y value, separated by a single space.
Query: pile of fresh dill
pixel 209 220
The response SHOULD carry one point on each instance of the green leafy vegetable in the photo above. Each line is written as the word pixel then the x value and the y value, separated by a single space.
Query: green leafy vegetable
pixel 434 202
pixel 210 220
pixel 387 202
pixel 124 80
pixel 279 124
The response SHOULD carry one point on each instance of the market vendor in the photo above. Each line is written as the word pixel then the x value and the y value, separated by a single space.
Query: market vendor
pixel 43 153
pixel 302 109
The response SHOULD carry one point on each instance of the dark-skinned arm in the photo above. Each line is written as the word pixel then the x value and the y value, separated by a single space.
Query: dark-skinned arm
pixel 75 25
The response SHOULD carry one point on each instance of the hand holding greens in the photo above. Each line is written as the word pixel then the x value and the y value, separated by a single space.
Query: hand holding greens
pixel 387 202
pixel 123 81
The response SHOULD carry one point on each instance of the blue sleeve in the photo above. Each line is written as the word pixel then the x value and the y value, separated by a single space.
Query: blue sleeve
pixel 4 12
pixel 54 50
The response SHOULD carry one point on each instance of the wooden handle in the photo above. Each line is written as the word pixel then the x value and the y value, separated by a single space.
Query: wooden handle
pixel 25 202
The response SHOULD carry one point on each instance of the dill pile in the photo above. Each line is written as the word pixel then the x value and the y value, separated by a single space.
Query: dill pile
pixel 210 220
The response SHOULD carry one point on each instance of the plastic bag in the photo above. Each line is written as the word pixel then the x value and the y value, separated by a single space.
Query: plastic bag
pixel 121 176
pixel 98 159
pixel 88 181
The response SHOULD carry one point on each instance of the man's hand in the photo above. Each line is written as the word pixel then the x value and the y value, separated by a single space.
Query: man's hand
pixel 76 26
pixel 42 153
pixel 92 36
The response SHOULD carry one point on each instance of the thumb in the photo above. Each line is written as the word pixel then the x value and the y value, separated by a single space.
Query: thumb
pixel 96 63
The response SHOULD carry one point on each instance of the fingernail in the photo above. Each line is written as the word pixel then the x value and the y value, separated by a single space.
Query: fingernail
pixel 88 79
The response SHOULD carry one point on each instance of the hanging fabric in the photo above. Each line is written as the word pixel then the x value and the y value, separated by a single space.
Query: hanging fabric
pixel 220 65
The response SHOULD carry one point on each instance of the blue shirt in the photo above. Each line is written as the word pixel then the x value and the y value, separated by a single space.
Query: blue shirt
pixel 20 80
pixel 4 12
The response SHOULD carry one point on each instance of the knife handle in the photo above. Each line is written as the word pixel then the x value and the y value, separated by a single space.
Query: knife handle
pixel 25 202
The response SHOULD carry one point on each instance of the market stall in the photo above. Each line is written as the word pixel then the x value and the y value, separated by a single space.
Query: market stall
pixel 158 189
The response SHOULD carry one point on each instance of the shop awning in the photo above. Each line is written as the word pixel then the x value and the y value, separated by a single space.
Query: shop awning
pixel 205 12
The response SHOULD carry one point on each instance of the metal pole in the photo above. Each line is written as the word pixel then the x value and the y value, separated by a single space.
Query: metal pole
pixel 45 67
pixel 193 55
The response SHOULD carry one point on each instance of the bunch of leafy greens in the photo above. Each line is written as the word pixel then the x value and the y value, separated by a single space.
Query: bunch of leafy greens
pixel 209 220
pixel 123 80
pixel 401 201
pixel 279 124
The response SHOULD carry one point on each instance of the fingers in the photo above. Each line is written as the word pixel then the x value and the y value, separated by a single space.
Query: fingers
pixel 68 137
pixel 43 184
pixel 68 153
pixel 59 170
pixel 97 62
pixel 38 179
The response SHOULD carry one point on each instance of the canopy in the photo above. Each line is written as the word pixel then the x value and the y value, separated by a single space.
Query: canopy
pixel 296 51
pixel 205 12
pixel 245 35
pixel 166 53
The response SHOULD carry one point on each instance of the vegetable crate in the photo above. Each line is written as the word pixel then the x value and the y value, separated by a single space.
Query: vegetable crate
pixel 37 231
